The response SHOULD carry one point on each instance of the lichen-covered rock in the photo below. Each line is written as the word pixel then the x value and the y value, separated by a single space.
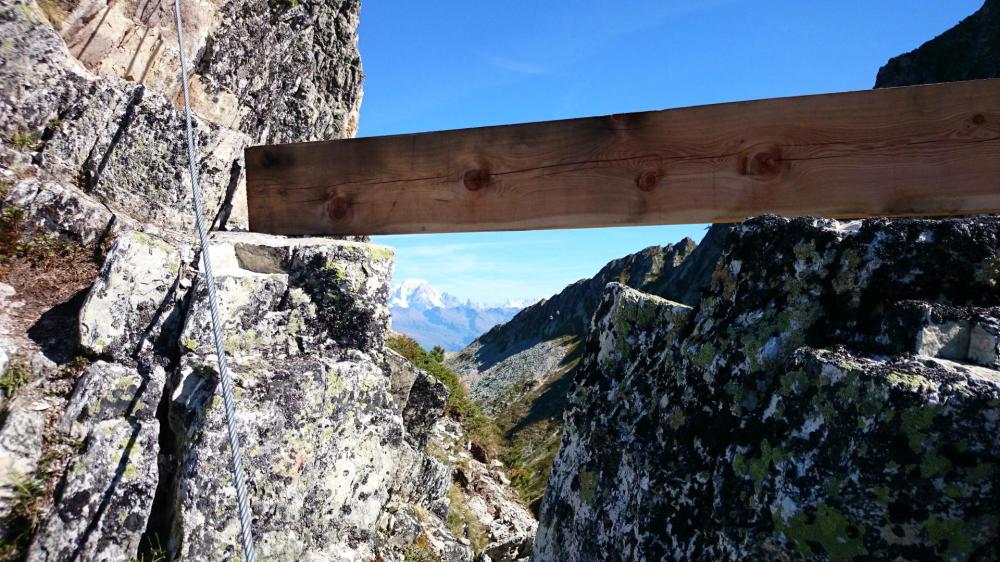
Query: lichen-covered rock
pixel 305 86
pixel 20 449
pixel 322 451
pixel 106 493
pixel 413 534
pixel 106 496
pixel 38 77
pixel 130 305
pixel 124 144
pixel 100 114
pixel 283 297
pixel 108 391
pixel 109 137
pixel 58 211
pixel 777 419
pixel 325 444
pixel 8 346
pixel 968 335
pixel 401 373
pixel 424 406
pixel 420 396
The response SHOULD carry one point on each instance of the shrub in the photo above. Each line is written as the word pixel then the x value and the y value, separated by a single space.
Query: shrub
pixel 477 425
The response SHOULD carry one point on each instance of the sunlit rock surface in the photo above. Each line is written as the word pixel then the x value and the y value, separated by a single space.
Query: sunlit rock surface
pixel 121 453
pixel 777 420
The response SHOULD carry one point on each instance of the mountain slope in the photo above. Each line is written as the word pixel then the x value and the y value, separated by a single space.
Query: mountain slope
pixel 435 318
pixel 521 371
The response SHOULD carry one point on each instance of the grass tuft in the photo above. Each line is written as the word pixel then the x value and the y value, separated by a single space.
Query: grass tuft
pixel 13 378
pixel 24 140
pixel 463 523
pixel 25 516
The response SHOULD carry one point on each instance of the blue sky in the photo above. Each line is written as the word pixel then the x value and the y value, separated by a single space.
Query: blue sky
pixel 450 64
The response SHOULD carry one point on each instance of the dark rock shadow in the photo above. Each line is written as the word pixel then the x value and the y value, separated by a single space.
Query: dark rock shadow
pixel 56 331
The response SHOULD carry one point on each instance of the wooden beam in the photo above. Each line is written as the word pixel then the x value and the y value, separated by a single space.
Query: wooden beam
pixel 922 150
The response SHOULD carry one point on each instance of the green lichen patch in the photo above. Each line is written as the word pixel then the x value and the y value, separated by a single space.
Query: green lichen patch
pixel 824 531
pixel 914 423
pixel 951 537
pixel 241 342
pixel 382 253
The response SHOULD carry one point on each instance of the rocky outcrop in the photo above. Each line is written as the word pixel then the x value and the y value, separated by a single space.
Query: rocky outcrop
pixel 422 397
pixel 812 405
pixel 968 51
pixel 304 326
pixel 334 463
pixel 833 396
pixel 90 90
pixel 104 500
pixel 121 453
pixel 128 309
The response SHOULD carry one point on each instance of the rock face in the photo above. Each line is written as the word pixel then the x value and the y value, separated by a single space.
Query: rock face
pixel 304 327
pixel 103 504
pixel 800 410
pixel 334 463
pixel 90 87
pixel 833 396
pixel 127 309
pixel 121 453
pixel 968 51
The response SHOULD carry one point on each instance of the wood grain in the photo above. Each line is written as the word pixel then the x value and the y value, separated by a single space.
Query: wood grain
pixel 921 150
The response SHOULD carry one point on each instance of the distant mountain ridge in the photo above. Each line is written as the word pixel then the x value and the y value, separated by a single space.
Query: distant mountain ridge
pixel 433 317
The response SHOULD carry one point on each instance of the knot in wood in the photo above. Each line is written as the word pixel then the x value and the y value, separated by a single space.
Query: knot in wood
pixel 475 180
pixel 338 207
pixel 647 180
pixel 766 163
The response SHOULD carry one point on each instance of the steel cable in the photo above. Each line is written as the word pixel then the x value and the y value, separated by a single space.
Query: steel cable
pixel 228 402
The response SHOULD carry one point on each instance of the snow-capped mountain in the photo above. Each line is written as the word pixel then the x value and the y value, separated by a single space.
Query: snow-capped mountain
pixel 435 318
pixel 417 293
